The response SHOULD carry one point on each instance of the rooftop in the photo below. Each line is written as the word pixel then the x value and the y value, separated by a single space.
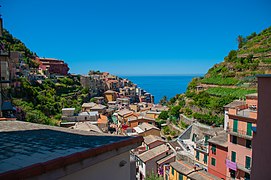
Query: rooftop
pixel 220 139
pixel 235 103
pixel 68 109
pixel 124 112
pixel 188 170
pixel 88 105
pixel 151 139
pixel 98 106
pixel 28 148
pixel 152 153
pixel 109 92
pixel 147 126
pixel 163 160
pixel 86 126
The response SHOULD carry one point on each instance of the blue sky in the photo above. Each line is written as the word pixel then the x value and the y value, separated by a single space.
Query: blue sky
pixel 131 37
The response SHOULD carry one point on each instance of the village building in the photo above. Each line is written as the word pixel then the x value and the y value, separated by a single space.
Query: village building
pixel 146 129
pixel 137 120
pixel 54 66
pixel 146 162
pixel 218 151
pixel 87 106
pixel 239 129
pixel 100 108
pixel 182 170
pixel 110 95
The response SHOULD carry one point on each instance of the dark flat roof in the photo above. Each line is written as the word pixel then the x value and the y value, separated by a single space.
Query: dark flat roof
pixel 28 149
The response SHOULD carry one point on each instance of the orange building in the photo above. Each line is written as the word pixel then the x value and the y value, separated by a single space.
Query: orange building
pixel 218 150
pixel 239 129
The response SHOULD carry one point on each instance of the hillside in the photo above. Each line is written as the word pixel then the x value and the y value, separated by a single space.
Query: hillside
pixel 42 102
pixel 231 79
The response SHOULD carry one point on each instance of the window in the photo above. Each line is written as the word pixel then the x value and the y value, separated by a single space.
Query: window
pixel 172 171
pixel 213 149
pixel 206 139
pixel 233 156
pixel 213 161
pixel 249 131
pixel 197 155
pixel 180 176
pixel 248 143
pixel 235 125
pixel 248 162
pixel 234 139
pixel 205 158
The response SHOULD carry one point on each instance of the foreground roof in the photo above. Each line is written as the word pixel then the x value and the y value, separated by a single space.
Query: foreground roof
pixel 29 149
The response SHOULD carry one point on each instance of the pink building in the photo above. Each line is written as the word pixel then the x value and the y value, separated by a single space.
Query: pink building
pixel 239 129
pixel 261 140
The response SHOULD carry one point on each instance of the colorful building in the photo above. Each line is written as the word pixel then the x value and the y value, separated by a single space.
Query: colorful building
pixel 239 129
pixel 54 66
pixel 218 149
pixel 110 95
pixel 182 170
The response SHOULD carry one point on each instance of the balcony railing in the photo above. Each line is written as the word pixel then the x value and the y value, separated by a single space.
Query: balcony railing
pixel 240 133
pixel 235 166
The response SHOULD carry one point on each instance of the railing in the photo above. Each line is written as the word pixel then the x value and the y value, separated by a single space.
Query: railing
pixel 240 133
pixel 234 166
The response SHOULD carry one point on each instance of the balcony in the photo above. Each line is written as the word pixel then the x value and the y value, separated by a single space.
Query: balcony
pixel 236 166
pixel 239 133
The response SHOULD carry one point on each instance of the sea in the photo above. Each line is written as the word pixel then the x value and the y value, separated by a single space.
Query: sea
pixel 162 85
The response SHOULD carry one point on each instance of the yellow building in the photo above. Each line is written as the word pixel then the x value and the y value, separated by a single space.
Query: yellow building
pixel 201 157
pixel 181 170
pixel 110 95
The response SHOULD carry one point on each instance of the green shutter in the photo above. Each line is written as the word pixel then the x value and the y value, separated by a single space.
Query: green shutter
pixel 197 155
pixel 213 161
pixel 233 156
pixel 235 125
pixel 213 149
pixel 248 161
pixel 172 171
pixel 180 176
pixel 205 158
pixel 206 139
pixel 249 131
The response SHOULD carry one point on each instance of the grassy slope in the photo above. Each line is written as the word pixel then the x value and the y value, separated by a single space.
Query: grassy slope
pixel 231 79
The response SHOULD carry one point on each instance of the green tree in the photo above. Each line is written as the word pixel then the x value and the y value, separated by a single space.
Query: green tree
pixel 163 115
pixel 153 176
pixel 175 111
pixel 163 101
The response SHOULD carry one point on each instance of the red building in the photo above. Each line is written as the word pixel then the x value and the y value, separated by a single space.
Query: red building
pixel 54 66
pixel 218 149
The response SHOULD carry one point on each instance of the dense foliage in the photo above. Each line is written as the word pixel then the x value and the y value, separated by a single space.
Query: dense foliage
pixel 42 102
